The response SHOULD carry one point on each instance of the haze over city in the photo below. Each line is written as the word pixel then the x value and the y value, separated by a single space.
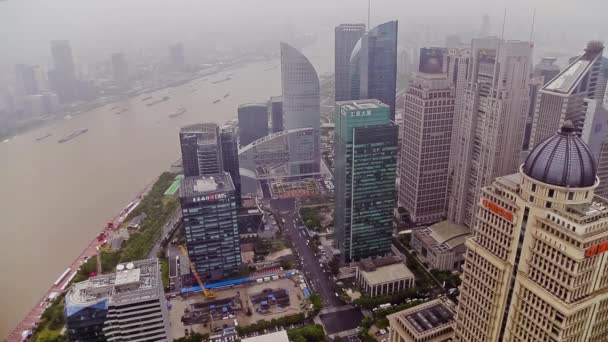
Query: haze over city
pixel 282 170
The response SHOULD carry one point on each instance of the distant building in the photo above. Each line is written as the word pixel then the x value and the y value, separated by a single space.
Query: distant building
pixel 276 114
pixel 128 305
pixel 490 122
pixel 429 322
pixel 563 98
pixel 120 70
pixel 62 78
pixel 230 158
pixel 26 79
pixel 366 151
pixel 301 96
pixel 253 122
pixel 383 276
pixel 547 69
pixel 441 246
pixel 177 56
pixel 535 85
pixel 426 141
pixel 484 30
pixel 373 66
pixel 346 37
pixel 201 149
pixel 209 211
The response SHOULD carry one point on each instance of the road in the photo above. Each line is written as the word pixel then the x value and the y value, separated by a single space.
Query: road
pixel 168 228
pixel 319 279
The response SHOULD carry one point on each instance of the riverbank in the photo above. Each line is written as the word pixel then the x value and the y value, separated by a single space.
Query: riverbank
pixel 150 201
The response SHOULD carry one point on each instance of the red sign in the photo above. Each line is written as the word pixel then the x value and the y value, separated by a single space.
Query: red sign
pixel 495 208
pixel 597 249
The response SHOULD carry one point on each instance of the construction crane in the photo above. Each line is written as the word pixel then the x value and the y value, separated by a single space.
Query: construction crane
pixel 207 293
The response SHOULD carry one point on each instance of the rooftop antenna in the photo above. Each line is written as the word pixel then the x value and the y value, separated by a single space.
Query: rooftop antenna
pixel 504 20
pixel 369 6
pixel 532 27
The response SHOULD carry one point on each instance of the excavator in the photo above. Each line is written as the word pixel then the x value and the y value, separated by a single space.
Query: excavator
pixel 207 293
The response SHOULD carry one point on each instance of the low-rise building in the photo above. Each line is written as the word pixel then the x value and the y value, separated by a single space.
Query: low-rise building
pixel 382 276
pixel 429 322
pixel 441 246
pixel 279 336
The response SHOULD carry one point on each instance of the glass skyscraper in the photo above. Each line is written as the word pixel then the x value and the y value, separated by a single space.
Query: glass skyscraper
pixel 346 37
pixel 230 158
pixel 201 149
pixel 253 122
pixel 209 211
pixel 373 66
pixel 366 151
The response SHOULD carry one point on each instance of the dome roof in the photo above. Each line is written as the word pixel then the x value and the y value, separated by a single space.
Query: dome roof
pixel 562 160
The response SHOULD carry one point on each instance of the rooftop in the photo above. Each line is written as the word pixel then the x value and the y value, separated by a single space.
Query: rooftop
pixel 384 273
pixel 568 80
pixel 279 336
pixel 205 132
pixel 423 318
pixel 131 281
pixel 361 104
pixel 448 232
pixel 207 184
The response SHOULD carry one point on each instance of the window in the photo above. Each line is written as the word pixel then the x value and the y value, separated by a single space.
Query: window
pixel 551 193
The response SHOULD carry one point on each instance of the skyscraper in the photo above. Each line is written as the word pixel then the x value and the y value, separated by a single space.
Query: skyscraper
pixel 26 79
pixel 276 113
pixel 253 122
pixel 490 130
pixel 547 69
pixel 563 98
pixel 535 268
pixel 426 140
pixel 63 77
pixel 301 97
pixel 366 160
pixel 120 70
pixel 128 305
pixel 209 211
pixel 177 56
pixel 346 37
pixel 230 159
pixel 201 149
pixel 484 30
pixel 373 66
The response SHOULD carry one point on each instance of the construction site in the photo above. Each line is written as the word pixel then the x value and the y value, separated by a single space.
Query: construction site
pixel 240 304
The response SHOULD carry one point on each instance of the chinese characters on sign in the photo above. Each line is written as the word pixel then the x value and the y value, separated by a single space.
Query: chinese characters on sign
pixel 495 208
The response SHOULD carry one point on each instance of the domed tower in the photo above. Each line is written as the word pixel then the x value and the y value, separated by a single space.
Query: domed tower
pixel 536 267
pixel 559 170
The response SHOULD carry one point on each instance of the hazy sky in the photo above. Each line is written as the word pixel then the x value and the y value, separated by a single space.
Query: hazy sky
pixel 100 27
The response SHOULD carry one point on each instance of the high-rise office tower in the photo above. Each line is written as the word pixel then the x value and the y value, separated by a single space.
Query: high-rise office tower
pixel 426 140
pixel 535 268
pixel 63 77
pixel 484 30
pixel 536 82
pixel 366 151
pixel 128 305
pixel 230 158
pixel 201 149
pixel 253 122
pixel 489 133
pixel 209 211
pixel 346 37
pixel 301 97
pixel 547 69
pixel 25 76
pixel 276 113
pixel 177 56
pixel 120 70
pixel 563 98
pixel 373 66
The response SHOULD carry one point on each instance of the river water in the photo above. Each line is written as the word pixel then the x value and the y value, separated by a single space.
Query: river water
pixel 57 197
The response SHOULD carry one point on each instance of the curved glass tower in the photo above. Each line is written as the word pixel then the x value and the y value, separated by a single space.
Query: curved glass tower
pixel 301 98
pixel 373 63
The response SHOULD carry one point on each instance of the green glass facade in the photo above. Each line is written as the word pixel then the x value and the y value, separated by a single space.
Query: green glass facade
pixel 366 151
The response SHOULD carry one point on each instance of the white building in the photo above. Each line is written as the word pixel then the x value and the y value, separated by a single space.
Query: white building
pixel 382 276
pixel 490 130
